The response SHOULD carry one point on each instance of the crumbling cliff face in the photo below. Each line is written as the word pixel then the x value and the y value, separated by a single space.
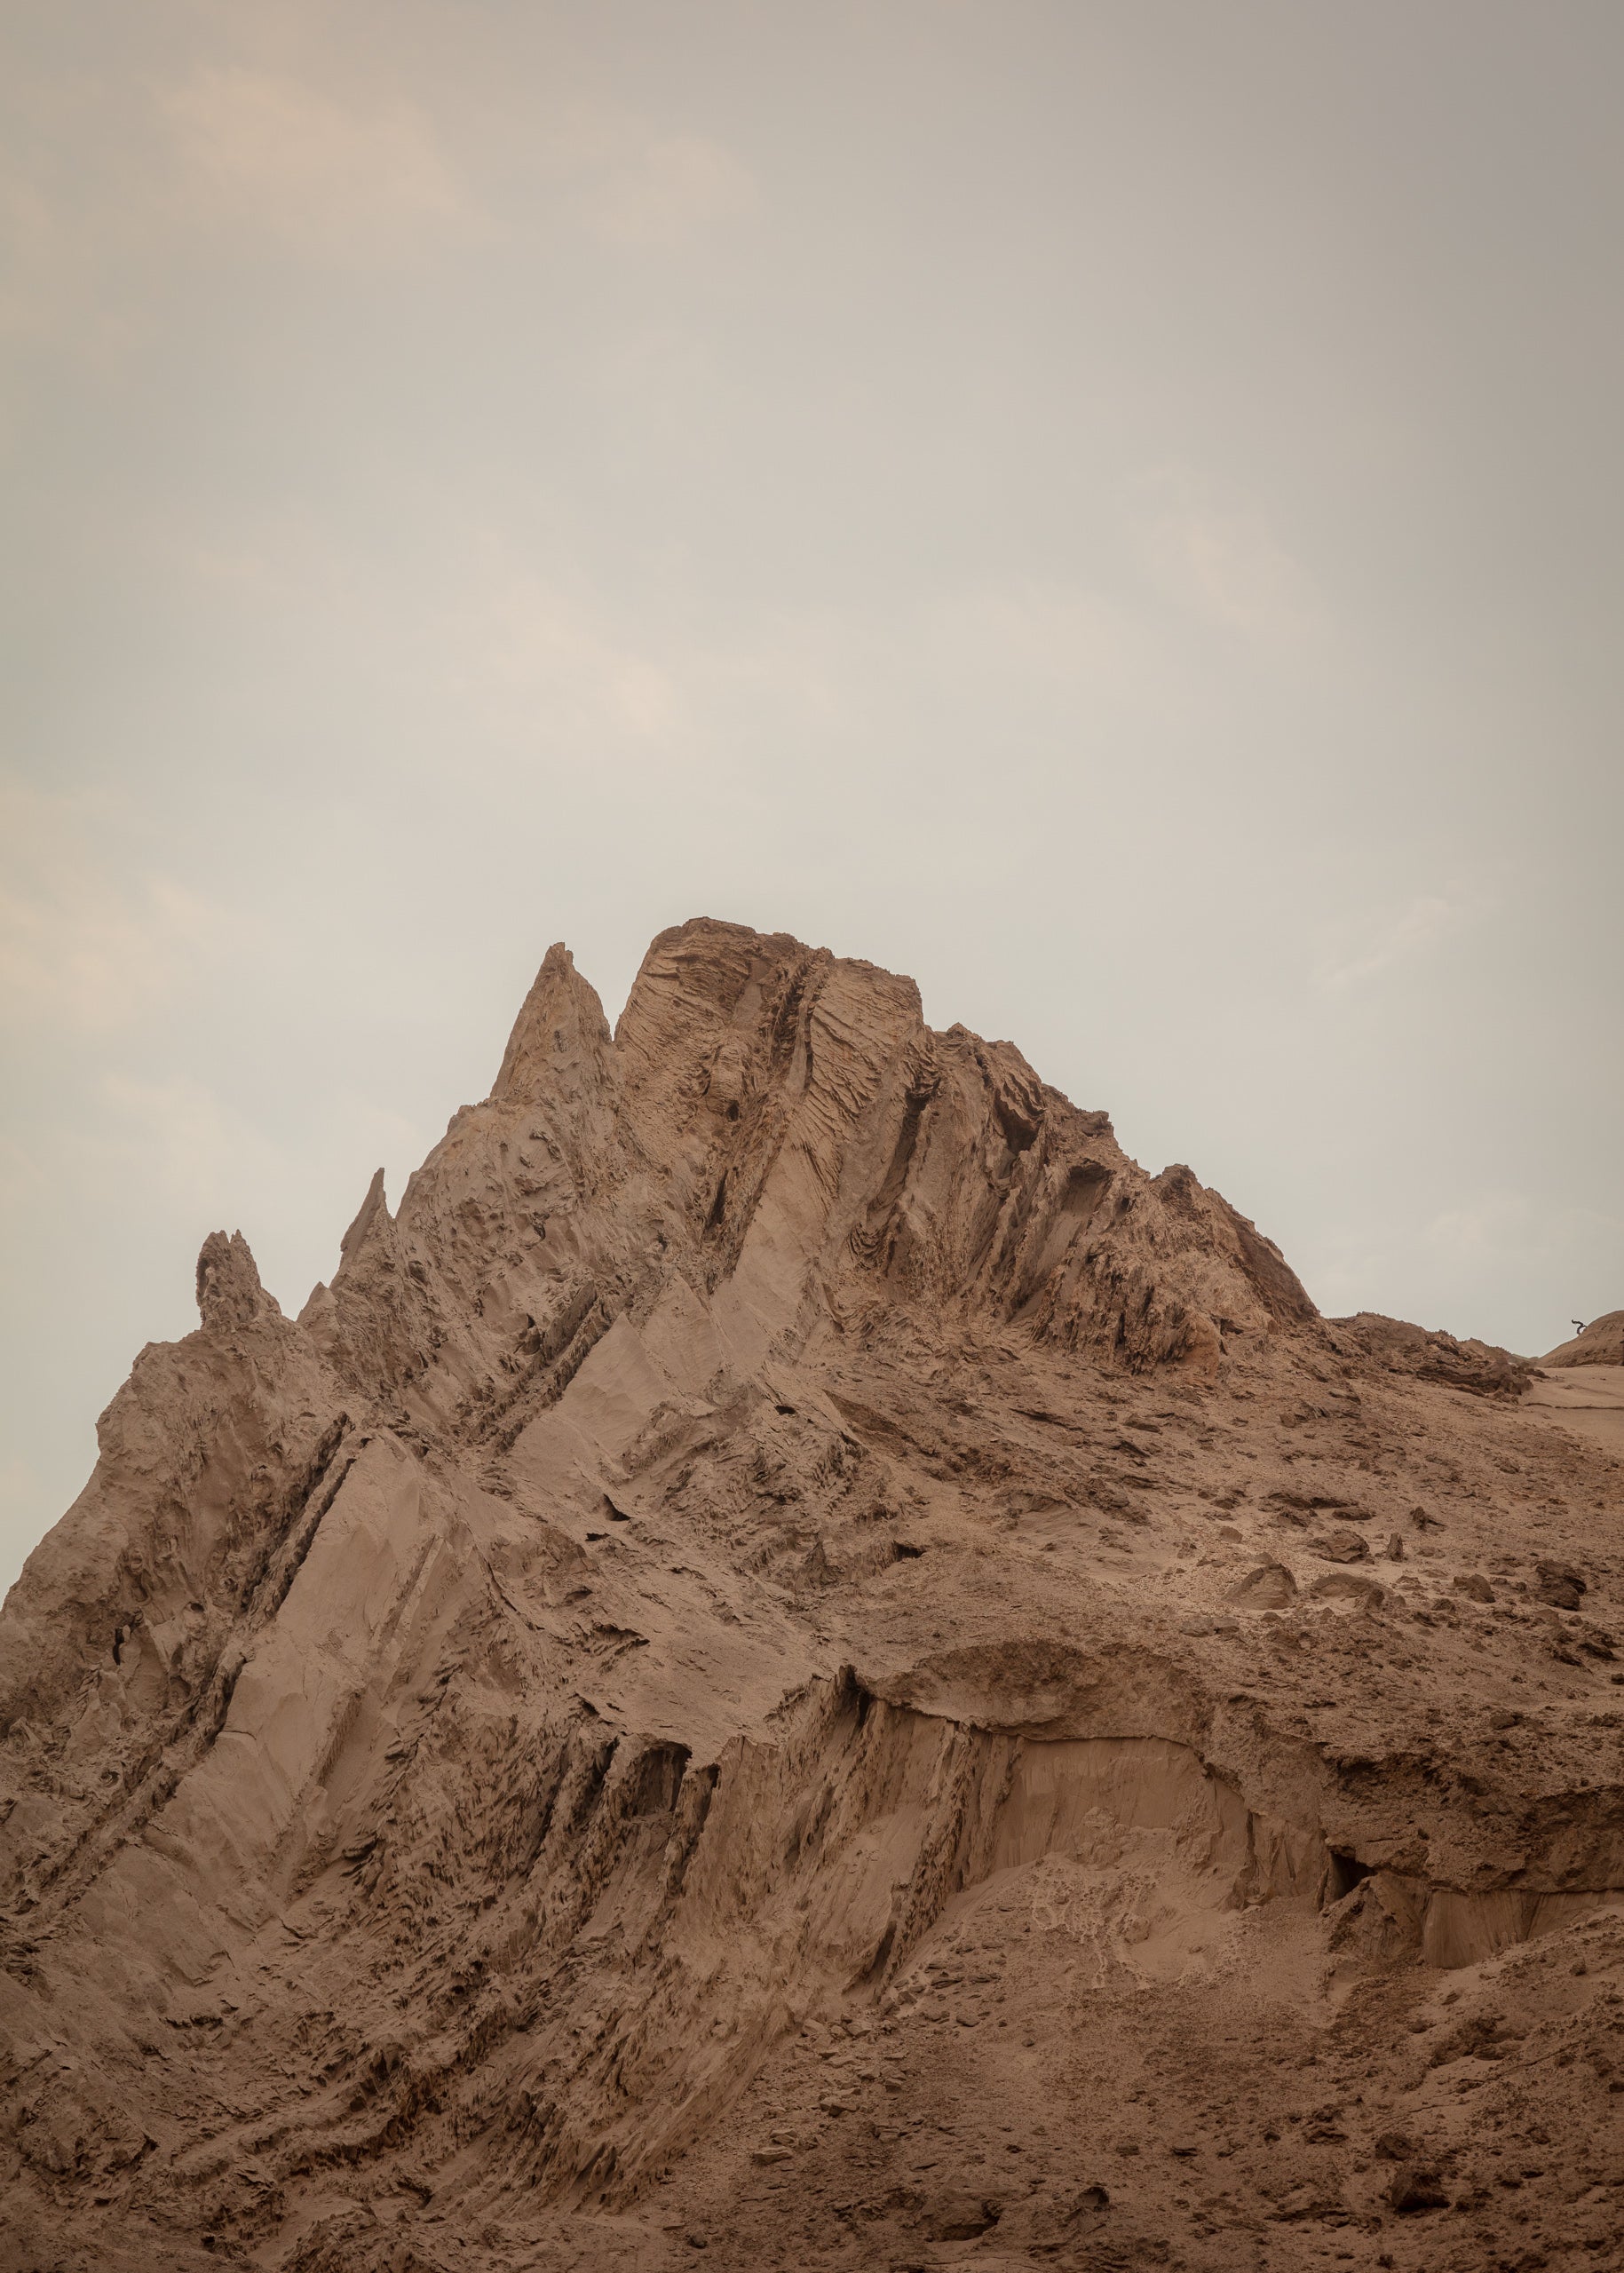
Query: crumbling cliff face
pixel 796 1658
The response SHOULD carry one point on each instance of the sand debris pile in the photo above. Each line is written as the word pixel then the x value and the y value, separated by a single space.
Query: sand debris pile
pixel 796 1657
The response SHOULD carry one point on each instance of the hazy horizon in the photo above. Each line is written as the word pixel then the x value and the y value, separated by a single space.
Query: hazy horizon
pixel 1113 512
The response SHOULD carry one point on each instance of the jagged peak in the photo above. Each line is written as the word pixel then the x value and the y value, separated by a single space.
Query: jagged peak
pixel 561 1018
pixel 371 1208
pixel 229 1292
pixel 706 986
pixel 701 974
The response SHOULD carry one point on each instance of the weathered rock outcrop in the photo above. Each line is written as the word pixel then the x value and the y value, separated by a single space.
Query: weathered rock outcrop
pixel 1480 1367
pixel 797 1656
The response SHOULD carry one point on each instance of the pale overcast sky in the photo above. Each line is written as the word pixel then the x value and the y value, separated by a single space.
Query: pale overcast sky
pixel 1112 508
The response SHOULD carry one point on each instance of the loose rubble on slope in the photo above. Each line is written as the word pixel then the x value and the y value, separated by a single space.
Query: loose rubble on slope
pixel 797 1660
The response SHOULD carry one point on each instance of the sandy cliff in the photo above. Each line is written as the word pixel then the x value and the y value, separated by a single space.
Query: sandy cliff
pixel 797 1659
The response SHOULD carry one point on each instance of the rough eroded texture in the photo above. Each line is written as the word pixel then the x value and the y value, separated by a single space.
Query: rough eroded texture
pixel 798 1658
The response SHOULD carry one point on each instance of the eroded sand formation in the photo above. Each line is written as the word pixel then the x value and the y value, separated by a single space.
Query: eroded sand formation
pixel 797 1659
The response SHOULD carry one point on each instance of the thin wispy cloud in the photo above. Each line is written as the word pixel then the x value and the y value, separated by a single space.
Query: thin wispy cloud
pixel 84 944
pixel 31 256
pixel 531 655
pixel 325 177
pixel 1357 949
pixel 1503 1223
pixel 641 184
pixel 1223 560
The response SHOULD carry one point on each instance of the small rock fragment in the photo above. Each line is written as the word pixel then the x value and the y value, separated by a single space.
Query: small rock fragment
pixel 1341 1544
pixel 1345 1586
pixel 1269 1586
pixel 1559 1585
pixel 1415 2186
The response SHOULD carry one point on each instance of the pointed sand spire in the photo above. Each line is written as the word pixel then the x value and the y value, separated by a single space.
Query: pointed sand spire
pixel 228 1288
pixel 374 1205
pixel 562 1018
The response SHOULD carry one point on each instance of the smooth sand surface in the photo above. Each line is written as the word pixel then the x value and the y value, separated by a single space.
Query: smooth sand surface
pixel 1588 1399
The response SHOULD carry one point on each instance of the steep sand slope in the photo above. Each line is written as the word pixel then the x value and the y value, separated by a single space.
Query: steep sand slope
pixel 1600 1344
pixel 797 1659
